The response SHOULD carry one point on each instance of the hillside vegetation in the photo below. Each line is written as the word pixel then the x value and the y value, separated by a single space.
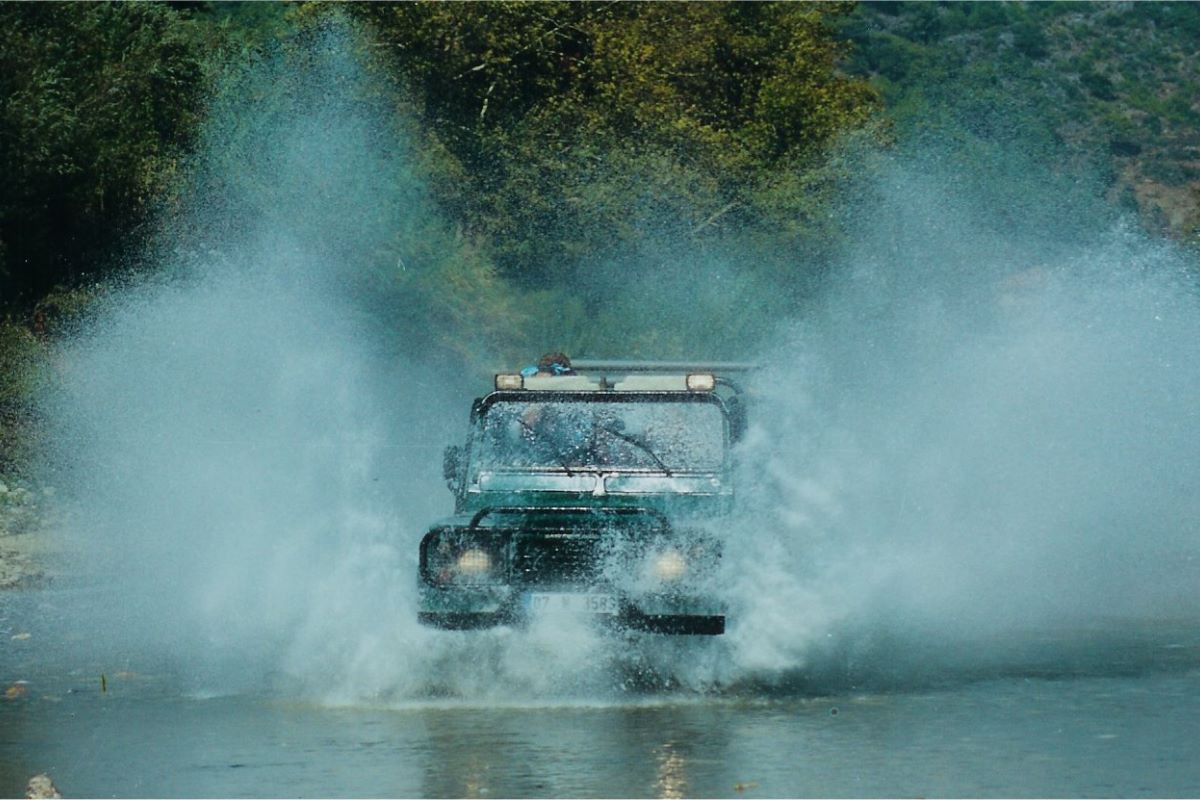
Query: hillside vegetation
pixel 589 158
pixel 1112 87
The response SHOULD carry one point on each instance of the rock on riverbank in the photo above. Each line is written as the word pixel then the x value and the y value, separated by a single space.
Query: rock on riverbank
pixel 42 788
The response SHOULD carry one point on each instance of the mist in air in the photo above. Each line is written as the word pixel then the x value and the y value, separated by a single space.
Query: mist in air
pixel 981 429
pixel 983 435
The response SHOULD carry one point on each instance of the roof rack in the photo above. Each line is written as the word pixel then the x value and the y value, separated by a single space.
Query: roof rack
pixel 716 367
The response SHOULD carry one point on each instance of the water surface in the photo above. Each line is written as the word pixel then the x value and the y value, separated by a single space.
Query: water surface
pixel 1101 718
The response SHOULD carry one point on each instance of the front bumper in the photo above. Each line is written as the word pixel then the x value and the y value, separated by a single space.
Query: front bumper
pixel 665 615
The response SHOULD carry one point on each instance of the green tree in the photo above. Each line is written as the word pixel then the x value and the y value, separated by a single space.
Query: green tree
pixel 96 104
pixel 580 126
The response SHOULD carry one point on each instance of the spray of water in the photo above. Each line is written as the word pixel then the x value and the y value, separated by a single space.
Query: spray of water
pixel 983 432
pixel 251 437
pixel 981 427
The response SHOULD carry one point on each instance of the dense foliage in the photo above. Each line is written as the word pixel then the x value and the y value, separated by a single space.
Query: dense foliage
pixel 578 123
pixel 1109 88
pixel 98 102
pixel 551 140
pixel 548 135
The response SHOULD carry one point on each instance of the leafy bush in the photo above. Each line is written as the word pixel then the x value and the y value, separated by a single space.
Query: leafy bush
pixel 893 57
pixel 98 103
pixel 23 365
pixel 1099 85
pixel 1030 40
pixel 579 126
pixel 988 15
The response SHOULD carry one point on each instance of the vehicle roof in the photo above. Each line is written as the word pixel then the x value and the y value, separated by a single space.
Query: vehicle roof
pixel 639 381
pixel 630 376
pixel 617 383
pixel 607 365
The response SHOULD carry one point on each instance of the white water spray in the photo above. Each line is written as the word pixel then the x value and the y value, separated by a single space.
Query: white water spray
pixel 253 447
pixel 980 435
pixel 972 433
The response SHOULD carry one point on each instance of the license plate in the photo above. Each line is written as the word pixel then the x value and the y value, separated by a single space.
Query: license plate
pixel 551 602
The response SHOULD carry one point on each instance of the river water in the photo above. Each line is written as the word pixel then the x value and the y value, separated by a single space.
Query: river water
pixel 1080 713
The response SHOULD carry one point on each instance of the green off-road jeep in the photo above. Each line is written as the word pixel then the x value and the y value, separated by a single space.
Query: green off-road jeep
pixel 596 493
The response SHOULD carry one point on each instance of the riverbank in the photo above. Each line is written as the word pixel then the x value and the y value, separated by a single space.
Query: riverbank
pixel 20 565
pixel 25 543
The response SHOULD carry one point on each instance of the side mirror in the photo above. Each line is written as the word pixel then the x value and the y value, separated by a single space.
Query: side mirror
pixel 452 464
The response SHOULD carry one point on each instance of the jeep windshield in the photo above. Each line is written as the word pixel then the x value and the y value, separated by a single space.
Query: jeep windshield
pixel 637 436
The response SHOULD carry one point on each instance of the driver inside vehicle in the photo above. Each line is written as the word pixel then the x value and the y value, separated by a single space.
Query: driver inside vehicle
pixel 557 435
pixel 539 435
pixel 609 444
pixel 562 436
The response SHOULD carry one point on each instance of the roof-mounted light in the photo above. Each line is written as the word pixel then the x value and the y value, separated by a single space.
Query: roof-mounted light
pixel 701 382
pixel 507 381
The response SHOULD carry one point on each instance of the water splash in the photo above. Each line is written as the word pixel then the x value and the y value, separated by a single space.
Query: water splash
pixel 981 428
pixel 251 436
pixel 979 438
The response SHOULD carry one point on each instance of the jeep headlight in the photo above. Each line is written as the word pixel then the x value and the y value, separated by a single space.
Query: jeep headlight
pixel 669 565
pixel 473 562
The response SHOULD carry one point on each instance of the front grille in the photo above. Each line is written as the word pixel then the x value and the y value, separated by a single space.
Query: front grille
pixel 556 558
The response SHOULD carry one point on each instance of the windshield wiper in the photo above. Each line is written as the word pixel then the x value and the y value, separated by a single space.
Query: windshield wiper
pixel 639 444
pixel 536 436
